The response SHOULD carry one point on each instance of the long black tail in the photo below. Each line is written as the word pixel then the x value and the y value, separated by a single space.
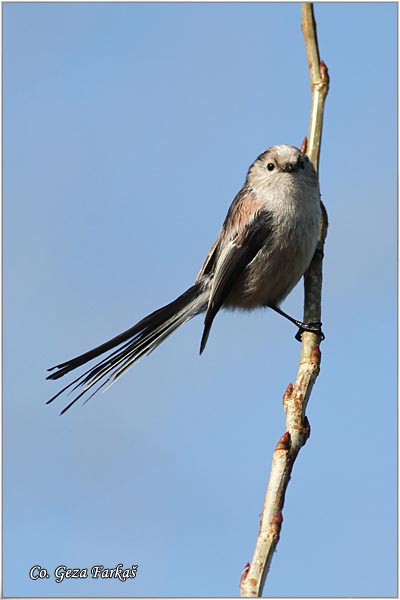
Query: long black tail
pixel 140 339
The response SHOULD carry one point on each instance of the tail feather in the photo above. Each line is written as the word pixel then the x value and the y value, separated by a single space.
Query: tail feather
pixel 130 345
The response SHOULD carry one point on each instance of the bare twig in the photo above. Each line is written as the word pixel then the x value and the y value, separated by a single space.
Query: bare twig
pixel 296 397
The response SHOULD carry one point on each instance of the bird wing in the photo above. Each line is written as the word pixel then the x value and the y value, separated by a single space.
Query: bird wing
pixel 209 262
pixel 234 256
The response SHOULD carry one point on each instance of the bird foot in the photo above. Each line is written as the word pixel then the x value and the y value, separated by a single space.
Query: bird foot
pixel 313 327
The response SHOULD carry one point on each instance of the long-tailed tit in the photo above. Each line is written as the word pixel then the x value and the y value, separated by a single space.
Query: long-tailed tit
pixel 265 245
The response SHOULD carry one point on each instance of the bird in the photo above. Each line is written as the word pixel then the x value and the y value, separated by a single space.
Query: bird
pixel 264 247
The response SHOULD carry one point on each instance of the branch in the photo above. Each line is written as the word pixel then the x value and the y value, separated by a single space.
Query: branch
pixel 296 397
pixel 319 80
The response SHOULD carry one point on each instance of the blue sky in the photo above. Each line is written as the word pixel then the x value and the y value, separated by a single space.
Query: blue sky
pixel 127 131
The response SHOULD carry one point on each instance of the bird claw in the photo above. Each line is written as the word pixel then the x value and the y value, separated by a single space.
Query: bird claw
pixel 313 327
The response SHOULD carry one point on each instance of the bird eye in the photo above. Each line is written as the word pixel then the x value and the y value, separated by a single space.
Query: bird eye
pixel 270 166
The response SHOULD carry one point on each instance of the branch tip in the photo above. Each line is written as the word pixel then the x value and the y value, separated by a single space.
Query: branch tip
pixel 288 393
pixel 303 146
pixel 278 519
pixel 307 428
pixel 316 355
pixel 324 72
pixel 284 442
pixel 245 572
pixel 276 526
